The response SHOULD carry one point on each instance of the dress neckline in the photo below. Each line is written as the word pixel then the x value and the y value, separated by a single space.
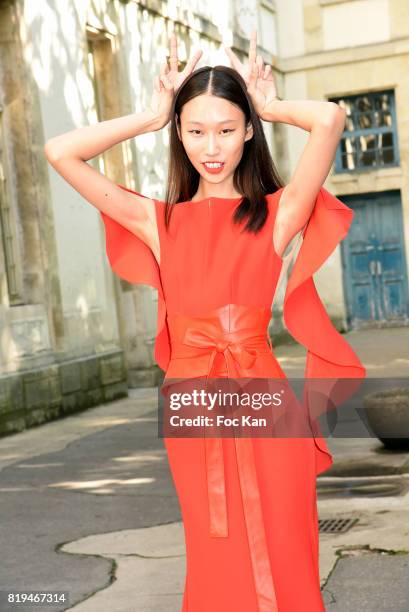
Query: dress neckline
pixel 215 198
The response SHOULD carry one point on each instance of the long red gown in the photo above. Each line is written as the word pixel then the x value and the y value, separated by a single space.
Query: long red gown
pixel 249 505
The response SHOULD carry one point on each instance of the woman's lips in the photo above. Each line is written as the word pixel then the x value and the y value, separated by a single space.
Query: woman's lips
pixel 215 169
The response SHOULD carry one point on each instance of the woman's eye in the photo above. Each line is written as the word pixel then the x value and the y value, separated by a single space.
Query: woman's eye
pixel 198 131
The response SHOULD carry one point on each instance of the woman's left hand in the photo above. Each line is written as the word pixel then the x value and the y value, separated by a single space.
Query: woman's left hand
pixel 259 79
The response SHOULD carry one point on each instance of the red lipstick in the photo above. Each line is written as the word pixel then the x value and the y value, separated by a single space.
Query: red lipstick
pixel 214 167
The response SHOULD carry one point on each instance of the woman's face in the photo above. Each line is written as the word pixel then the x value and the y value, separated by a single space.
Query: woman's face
pixel 213 130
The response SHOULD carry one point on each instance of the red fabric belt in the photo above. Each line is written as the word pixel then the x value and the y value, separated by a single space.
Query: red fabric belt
pixel 240 334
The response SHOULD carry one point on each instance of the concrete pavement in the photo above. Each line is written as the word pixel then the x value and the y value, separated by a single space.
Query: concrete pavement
pixel 88 506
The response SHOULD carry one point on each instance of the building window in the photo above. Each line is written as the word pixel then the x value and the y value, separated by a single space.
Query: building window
pixel 369 140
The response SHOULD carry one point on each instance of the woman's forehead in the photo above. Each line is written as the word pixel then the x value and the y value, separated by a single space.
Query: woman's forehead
pixel 210 109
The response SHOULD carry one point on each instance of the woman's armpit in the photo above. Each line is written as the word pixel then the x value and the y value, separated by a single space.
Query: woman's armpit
pixel 147 230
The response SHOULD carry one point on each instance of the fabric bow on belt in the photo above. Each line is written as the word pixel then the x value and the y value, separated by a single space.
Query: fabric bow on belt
pixel 237 350
pixel 240 334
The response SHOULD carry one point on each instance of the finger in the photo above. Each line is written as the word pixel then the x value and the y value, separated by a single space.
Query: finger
pixel 253 77
pixel 260 65
pixel 166 82
pixel 235 62
pixel 267 70
pixel 164 68
pixel 173 59
pixel 192 61
pixel 253 47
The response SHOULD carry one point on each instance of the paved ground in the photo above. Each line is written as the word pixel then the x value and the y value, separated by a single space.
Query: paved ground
pixel 88 506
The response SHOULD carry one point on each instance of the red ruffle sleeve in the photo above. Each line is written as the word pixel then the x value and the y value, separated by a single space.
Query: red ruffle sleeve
pixel 134 261
pixel 329 355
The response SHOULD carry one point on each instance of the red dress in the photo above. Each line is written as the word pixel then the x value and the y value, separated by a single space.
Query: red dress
pixel 248 505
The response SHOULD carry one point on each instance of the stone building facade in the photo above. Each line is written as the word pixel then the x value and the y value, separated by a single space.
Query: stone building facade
pixel 74 334
pixel 355 52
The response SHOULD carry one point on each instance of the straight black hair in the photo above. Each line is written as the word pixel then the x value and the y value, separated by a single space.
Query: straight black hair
pixel 255 175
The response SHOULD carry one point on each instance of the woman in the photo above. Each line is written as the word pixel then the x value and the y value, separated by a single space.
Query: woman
pixel 214 251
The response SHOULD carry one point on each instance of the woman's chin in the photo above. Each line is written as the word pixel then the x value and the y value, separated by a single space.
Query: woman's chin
pixel 214 178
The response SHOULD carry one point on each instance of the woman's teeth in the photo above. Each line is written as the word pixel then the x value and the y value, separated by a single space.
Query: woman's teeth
pixel 213 165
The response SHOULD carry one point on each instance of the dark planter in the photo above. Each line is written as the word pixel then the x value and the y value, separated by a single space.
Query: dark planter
pixel 388 415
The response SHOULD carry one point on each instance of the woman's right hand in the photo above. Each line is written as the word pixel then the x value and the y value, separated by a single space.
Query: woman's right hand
pixel 259 80
pixel 167 83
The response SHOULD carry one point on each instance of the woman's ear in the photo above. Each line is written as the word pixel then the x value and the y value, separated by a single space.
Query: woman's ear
pixel 249 131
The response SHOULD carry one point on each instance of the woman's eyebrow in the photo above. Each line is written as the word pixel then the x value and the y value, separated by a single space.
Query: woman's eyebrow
pixel 217 122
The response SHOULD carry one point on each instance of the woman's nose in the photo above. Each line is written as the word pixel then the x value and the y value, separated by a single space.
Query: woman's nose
pixel 212 145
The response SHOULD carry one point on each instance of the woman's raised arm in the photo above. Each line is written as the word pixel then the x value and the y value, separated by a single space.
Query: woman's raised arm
pixel 324 120
pixel 68 153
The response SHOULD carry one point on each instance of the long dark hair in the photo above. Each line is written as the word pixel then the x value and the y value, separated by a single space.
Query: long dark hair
pixel 255 175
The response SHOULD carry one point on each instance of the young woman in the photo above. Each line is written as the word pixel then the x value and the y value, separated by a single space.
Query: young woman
pixel 214 249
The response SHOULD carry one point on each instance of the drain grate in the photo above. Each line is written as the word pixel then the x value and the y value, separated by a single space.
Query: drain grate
pixel 336 525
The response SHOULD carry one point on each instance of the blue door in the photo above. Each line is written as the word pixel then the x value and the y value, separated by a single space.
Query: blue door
pixel 374 262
